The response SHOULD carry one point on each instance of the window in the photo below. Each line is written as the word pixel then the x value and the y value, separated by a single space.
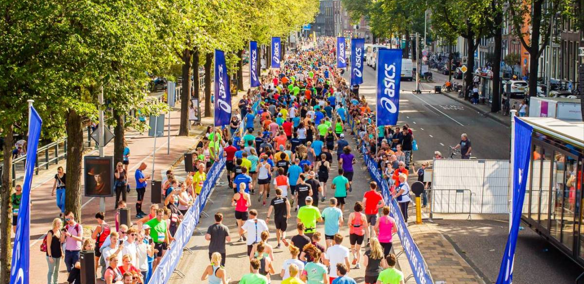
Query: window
pixel 557 198
pixel 533 200
pixel 545 188
pixel 569 193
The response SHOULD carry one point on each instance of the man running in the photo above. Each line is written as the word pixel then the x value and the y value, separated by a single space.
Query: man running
pixel 373 201
pixel 281 207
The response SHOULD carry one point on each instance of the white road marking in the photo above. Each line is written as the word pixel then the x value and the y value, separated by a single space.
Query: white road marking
pixel 407 116
pixel 414 122
pixel 417 97
pixel 441 144
pixel 431 136
pixel 421 128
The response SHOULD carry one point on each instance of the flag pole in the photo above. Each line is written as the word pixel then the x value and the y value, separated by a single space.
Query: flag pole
pixel 512 163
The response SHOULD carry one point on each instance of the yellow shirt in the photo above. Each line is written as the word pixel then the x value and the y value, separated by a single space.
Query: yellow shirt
pixel 246 163
pixel 198 180
pixel 292 280
pixel 284 113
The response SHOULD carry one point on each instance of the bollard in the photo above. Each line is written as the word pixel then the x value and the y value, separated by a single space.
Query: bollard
pixel 418 210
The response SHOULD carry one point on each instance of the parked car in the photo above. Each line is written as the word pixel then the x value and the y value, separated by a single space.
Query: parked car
pixel 518 87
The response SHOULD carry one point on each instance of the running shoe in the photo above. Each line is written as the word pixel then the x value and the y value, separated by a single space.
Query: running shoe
pixel 278 246
pixel 322 199
pixel 357 266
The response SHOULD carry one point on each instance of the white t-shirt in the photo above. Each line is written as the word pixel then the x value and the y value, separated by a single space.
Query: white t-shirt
pixel 132 250
pixel 254 230
pixel 142 255
pixel 292 114
pixel 336 254
pixel 310 114
pixel 301 133
pixel 287 264
pixel 108 251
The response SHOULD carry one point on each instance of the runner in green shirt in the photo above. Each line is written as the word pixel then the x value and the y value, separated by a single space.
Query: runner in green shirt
pixel 323 128
pixel 309 215
pixel 390 275
pixel 254 277
pixel 159 235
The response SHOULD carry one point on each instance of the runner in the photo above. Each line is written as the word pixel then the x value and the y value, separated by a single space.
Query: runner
pixel 347 160
pixel 333 220
pixel 384 229
pixel 357 223
pixel 242 202
pixel 303 191
pixel 340 186
pixel 373 201
pixel 309 216
pixel 281 207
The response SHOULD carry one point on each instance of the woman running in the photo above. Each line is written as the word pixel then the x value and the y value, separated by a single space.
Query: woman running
pixel 264 177
pixel 357 224
pixel 374 261
pixel 242 202
pixel 214 271
pixel 323 167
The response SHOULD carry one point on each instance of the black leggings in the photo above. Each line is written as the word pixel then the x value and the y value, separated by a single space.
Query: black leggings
pixel 386 248
pixel 403 206
pixel 120 189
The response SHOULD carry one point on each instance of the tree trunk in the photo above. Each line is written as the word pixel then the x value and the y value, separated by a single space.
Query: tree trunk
pixel 208 64
pixel 496 99
pixel 268 56
pixel 74 163
pixel 449 61
pixel 406 53
pixel 196 73
pixel 185 93
pixel 471 47
pixel 534 48
pixel 240 70
pixel 118 138
pixel 6 205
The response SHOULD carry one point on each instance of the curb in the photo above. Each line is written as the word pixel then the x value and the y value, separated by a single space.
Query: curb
pixel 481 111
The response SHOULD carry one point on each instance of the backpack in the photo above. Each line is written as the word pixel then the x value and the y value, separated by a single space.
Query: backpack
pixel 44 243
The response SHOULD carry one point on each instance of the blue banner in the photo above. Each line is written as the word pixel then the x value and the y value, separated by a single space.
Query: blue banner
pixel 185 230
pixel 276 45
pixel 222 91
pixel 388 81
pixel 21 250
pixel 417 263
pixel 357 54
pixel 253 64
pixel 341 56
pixel 522 152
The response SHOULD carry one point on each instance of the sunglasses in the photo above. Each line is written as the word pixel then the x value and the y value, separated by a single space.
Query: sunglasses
pixel 123 233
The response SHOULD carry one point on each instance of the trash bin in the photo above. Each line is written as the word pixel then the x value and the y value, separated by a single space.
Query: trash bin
pixel 437 89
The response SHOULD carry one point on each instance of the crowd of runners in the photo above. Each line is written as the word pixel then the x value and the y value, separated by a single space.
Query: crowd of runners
pixel 296 128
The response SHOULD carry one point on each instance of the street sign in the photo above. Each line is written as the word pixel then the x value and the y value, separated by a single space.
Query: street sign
pixel 171 93
pixel 463 69
pixel 108 135
pixel 425 58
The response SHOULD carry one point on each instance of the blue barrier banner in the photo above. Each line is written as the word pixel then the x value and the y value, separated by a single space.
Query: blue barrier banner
pixel 341 55
pixel 415 258
pixel 253 64
pixel 19 274
pixel 276 45
pixel 185 230
pixel 522 148
pixel 388 86
pixel 357 53
pixel 222 91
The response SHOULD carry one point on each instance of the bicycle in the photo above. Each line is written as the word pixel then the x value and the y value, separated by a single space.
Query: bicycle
pixel 453 152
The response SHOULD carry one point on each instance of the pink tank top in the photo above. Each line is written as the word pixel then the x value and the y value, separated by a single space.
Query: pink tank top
pixel 357 225
pixel 241 205
pixel 386 224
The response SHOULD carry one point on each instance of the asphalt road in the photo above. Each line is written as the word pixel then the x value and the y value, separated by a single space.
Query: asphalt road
pixel 482 242
pixel 438 121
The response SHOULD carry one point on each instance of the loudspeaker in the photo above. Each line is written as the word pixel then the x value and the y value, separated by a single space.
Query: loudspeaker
pixel 156 192
pixel 125 217
pixel 87 260
pixel 189 162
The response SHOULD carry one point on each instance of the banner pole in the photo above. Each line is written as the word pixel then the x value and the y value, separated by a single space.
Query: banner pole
pixel 512 163
pixel 101 141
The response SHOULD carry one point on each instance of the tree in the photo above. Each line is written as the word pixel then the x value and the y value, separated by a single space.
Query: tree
pixel 530 13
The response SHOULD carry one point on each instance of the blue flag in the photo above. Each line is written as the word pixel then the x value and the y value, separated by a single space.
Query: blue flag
pixel 276 52
pixel 388 81
pixel 522 148
pixel 21 249
pixel 222 91
pixel 253 64
pixel 357 54
pixel 341 56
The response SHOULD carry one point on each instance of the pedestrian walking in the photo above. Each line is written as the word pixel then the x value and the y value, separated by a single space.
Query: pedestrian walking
pixel 60 187
pixel 141 184
pixel 72 236
pixel 121 180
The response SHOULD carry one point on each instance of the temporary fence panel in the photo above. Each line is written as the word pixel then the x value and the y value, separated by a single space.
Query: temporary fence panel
pixel 470 186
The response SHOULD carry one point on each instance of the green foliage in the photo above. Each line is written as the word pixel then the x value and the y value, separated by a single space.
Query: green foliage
pixel 512 59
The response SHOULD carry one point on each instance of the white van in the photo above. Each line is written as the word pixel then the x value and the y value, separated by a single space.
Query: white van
pixel 407 69
pixel 372 55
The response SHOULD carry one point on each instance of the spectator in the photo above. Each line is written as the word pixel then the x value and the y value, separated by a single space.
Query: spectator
pixel 112 273
pixel 100 234
pixel 254 277
pixel 127 266
pixel 141 184
pixel 15 199
pixel 130 247
pixel 390 275
pixel 218 235
pixel 402 195
pixel 121 179
pixel 159 235
pixel 53 251
pixel 143 252
pixel 60 187
pixel 185 200
pixel 127 278
pixel 72 236
pixel 215 272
